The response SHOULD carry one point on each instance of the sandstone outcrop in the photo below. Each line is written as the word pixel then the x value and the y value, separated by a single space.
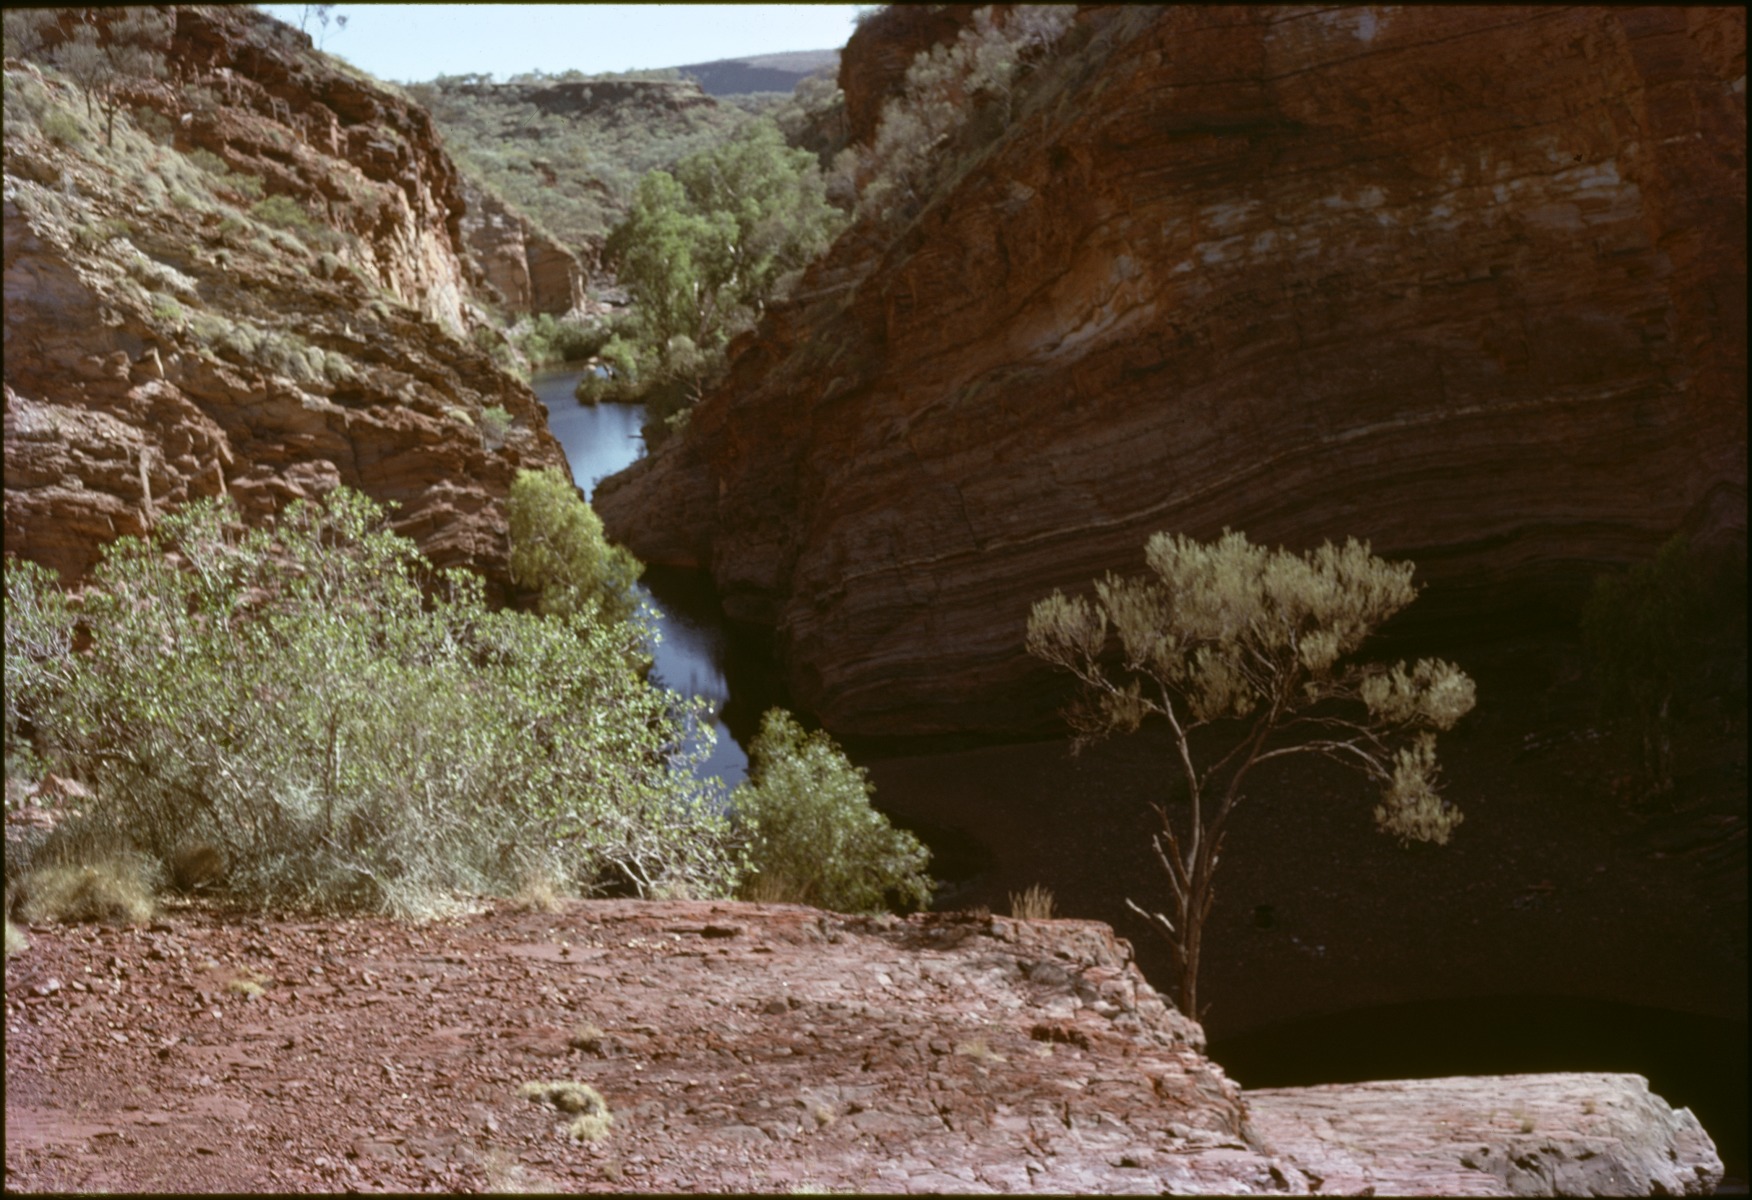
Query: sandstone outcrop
pixel 1467 283
pixel 261 289
pixel 529 270
pixel 736 1048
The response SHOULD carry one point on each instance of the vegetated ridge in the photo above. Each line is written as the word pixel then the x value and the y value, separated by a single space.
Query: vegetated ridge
pixel 264 287
pixel 569 149
pixel 1466 283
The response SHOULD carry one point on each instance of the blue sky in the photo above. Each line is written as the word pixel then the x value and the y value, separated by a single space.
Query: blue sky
pixel 415 42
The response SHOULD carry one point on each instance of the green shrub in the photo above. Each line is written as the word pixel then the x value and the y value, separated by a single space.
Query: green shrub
pixel 495 423
pixel 549 339
pixel 63 128
pixel 558 549
pixel 294 698
pixel 282 212
pixel 807 813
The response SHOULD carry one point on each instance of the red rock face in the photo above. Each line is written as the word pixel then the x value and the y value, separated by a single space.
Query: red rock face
pixel 164 342
pixel 530 271
pixel 1468 283
pixel 874 62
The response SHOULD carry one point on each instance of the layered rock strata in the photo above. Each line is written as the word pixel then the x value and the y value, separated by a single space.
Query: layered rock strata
pixel 259 290
pixel 735 1048
pixel 1466 283
pixel 529 270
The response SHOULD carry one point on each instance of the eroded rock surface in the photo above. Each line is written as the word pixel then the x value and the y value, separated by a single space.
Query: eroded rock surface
pixel 739 1048
pixel 529 270
pixel 169 337
pixel 1468 283
pixel 1517 1135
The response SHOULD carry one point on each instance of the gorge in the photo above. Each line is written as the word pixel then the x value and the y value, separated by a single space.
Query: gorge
pixel 1471 289
pixel 1469 283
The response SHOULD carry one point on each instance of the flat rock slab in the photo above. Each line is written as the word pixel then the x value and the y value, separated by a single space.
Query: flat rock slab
pixel 1503 1135
pixel 736 1047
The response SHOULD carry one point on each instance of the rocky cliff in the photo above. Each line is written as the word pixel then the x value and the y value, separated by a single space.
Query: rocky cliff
pixel 260 288
pixel 529 271
pixel 1468 283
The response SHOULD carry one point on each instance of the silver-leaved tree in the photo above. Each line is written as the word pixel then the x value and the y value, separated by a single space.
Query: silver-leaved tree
pixel 1232 634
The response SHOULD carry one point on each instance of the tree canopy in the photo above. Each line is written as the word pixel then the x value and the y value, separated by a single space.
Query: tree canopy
pixel 1258 643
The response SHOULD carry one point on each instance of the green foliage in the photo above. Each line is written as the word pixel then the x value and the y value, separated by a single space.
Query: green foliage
pixel 558 548
pixel 283 212
pixel 550 339
pixel 62 128
pixel 27 31
pixel 705 249
pixel 572 167
pixel 812 827
pixel 1233 635
pixel 495 424
pixel 295 698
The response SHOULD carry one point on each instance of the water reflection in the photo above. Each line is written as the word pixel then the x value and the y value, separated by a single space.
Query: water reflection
pixel 692 641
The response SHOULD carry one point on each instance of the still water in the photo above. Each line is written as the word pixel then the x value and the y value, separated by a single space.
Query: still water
pixel 692 640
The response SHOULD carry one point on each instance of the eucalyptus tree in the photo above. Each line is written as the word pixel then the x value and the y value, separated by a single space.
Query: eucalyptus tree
pixel 1258 643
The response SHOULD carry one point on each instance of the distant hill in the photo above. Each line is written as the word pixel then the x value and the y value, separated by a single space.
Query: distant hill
pixel 760 72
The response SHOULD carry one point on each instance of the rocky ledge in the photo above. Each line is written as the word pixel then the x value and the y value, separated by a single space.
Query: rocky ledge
pixel 731 1047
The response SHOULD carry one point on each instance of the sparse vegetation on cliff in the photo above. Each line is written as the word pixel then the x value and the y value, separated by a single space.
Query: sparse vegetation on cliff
pixel 1258 642
pixel 954 92
pixel 569 149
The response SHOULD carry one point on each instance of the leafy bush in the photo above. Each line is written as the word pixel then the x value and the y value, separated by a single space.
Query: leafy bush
pixel 63 128
pixel 283 212
pixel 813 835
pixel 703 252
pixel 558 548
pixel 550 339
pixel 291 697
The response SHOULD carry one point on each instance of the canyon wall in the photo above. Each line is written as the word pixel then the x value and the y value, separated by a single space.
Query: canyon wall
pixel 1468 283
pixel 261 288
pixel 530 271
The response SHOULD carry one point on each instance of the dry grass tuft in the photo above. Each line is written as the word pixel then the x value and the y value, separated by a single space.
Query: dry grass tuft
pixel 539 893
pixel 979 1051
pixel 112 890
pixel 196 866
pixel 592 1119
pixel 773 887
pixel 1035 904
pixel 16 942
pixel 585 1037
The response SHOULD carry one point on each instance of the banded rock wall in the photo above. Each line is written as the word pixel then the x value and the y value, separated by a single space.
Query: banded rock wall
pixel 165 341
pixel 1468 283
